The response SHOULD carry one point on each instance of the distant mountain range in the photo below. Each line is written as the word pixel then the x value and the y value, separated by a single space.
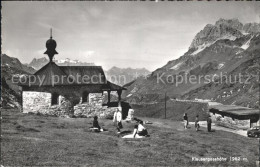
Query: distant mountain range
pixel 226 48
pixel 39 63
pixel 123 76
pixel 12 66
pixel 117 75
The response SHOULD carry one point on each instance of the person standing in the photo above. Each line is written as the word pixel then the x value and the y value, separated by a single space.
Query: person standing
pixel 185 119
pixel 197 123
pixel 118 120
pixel 209 121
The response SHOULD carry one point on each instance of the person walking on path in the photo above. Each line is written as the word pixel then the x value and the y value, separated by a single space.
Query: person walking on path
pixel 197 126
pixel 185 120
pixel 209 121
pixel 117 119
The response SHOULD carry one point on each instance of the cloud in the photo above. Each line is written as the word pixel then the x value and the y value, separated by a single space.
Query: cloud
pixel 87 53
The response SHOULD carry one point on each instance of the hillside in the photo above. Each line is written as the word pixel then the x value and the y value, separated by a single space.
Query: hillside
pixel 13 62
pixel 226 48
pixel 9 97
pixel 10 67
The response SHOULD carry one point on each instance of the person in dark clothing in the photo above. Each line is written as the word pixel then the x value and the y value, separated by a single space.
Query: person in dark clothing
pixel 95 124
pixel 209 121
pixel 185 119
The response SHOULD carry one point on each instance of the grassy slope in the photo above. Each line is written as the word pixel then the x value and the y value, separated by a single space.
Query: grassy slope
pixel 174 110
pixel 31 140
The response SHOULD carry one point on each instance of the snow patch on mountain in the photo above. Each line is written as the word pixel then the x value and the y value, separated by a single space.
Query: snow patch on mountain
pixel 67 60
pixel 221 65
pixel 246 44
pixel 238 52
pixel 177 66
pixel 244 33
pixel 205 45
pixel 201 48
pixel 230 37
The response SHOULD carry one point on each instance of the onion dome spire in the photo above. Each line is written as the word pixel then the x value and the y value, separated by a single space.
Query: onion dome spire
pixel 51 46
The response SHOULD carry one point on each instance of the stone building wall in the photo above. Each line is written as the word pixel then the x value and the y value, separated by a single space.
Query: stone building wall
pixel 40 103
pixel 34 101
pixel 96 99
pixel 94 107
pixel 88 111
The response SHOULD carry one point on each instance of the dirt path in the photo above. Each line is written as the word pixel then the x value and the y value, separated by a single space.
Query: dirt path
pixel 162 123
pixel 239 132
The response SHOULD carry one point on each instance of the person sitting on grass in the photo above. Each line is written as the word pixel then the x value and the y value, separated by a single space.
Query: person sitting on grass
pixel 134 134
pixel 141 130
pixel 96 126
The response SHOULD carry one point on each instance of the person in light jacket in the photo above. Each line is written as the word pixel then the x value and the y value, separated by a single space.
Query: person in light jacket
pixel 118 120
pixel 197 125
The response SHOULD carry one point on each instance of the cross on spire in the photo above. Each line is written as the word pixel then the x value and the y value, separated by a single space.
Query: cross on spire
pixel 51 33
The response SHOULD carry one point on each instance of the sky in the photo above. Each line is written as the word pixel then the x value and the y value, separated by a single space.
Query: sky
pixel 123 34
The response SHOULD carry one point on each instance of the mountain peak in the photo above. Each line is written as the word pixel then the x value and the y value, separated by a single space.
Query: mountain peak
pixel 223 29
pixel 227 21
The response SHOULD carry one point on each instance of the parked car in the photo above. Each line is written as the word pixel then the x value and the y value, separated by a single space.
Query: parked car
pixel 254 132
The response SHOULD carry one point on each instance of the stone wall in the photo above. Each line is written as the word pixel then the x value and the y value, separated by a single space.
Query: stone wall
pixel 34 101
pixel 229 122
pixel 94 107
pixel 96 99
pixel 88 110
pixel 40 103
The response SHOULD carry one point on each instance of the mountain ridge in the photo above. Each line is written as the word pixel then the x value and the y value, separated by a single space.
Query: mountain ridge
pixel 221 54
pixel 230 28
